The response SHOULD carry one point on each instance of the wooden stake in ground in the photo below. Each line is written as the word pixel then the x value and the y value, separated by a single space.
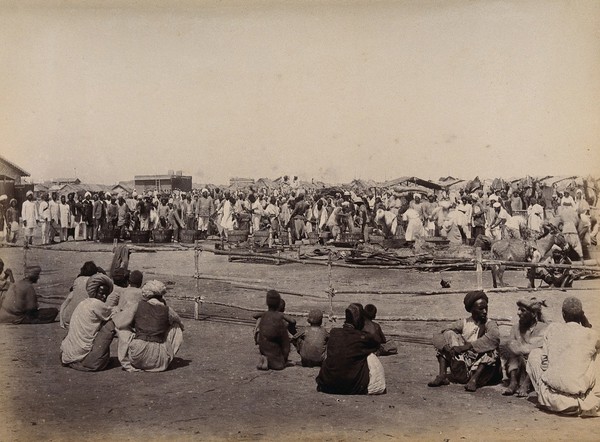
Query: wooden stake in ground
pixel 479 268
pixel 331 290
pixel 197 251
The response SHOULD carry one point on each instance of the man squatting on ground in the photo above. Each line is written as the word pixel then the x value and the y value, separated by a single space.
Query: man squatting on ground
pixel 469 347
pixel 524 336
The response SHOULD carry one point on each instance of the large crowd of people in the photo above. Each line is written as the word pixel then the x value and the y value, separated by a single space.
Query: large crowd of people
pixel 558 361
pixel 460 217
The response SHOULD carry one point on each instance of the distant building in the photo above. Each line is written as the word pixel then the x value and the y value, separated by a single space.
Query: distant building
pixel 66 181
pixel 163 183
pixel 10 171
pixel 122 189
pixel 241 182
pixel 10 180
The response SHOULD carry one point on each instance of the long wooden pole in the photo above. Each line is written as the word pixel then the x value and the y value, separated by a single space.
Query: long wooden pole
pixel 537 264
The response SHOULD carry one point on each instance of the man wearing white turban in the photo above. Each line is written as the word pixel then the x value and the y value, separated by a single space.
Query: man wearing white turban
pixel 150 333
pixel 30 217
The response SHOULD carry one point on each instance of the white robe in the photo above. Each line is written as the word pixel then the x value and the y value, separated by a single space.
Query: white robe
pixel 227 218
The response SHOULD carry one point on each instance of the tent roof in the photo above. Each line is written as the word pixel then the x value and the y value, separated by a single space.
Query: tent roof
pixel 405 180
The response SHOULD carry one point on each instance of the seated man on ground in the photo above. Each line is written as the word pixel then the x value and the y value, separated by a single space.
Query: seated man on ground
pixel 150 333
pixel 288 321
pixel 273 338
pixel 526 335
pixel 311 342
pixel 469 347
pixel 6 279
pixel 77 293
pixel 564 372
pixel 20 304
pixel 87 345
pixel 372 327
pixel 131 294
pixel 351 366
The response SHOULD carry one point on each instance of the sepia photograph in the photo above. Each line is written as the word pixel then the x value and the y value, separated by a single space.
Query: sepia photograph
pixel 284 220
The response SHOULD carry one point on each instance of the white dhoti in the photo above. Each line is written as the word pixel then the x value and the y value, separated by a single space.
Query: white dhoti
pixel 376 375
pixel 139 355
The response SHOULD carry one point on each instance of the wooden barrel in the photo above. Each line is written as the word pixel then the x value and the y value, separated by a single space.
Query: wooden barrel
pixel 326 236
pixel 162 236
pixel 376 239
pixel 140 236
pixel 107 235
pixel 261 237
pixel 284 238
pixel 234 236
pixel 313 238
pixel 351 237
pixel 188 235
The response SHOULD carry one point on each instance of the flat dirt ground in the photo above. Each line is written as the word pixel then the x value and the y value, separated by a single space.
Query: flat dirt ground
pixel 213 390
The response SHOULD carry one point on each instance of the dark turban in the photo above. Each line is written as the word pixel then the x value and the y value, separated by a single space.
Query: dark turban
pixel 472 297
pixel 355 316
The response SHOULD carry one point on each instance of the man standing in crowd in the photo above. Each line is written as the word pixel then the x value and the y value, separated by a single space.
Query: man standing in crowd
pixel 54 217
pixel 88 216
pixel 97 214
pixel 45 218
pixel 204 209
pixel 30 217
pixel 72 207
pixel 64 218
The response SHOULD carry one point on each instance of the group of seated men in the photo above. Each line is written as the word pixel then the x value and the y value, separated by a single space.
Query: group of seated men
pixel 97 309
pixel 557 360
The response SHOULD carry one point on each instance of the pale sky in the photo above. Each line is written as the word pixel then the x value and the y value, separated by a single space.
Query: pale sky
pixel 328 90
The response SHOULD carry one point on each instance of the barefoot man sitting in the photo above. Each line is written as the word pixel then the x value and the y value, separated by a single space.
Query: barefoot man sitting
pixel 526 335
pixel 469 347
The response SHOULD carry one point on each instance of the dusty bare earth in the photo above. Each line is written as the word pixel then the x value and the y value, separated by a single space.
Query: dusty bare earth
pixel 213 390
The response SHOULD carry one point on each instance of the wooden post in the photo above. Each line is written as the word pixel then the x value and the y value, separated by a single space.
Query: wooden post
pixel 196 259
pixel 196 308
pixel 479 268
pixel 331 290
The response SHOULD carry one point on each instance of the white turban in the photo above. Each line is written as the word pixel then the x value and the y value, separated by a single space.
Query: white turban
pixel 153 289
